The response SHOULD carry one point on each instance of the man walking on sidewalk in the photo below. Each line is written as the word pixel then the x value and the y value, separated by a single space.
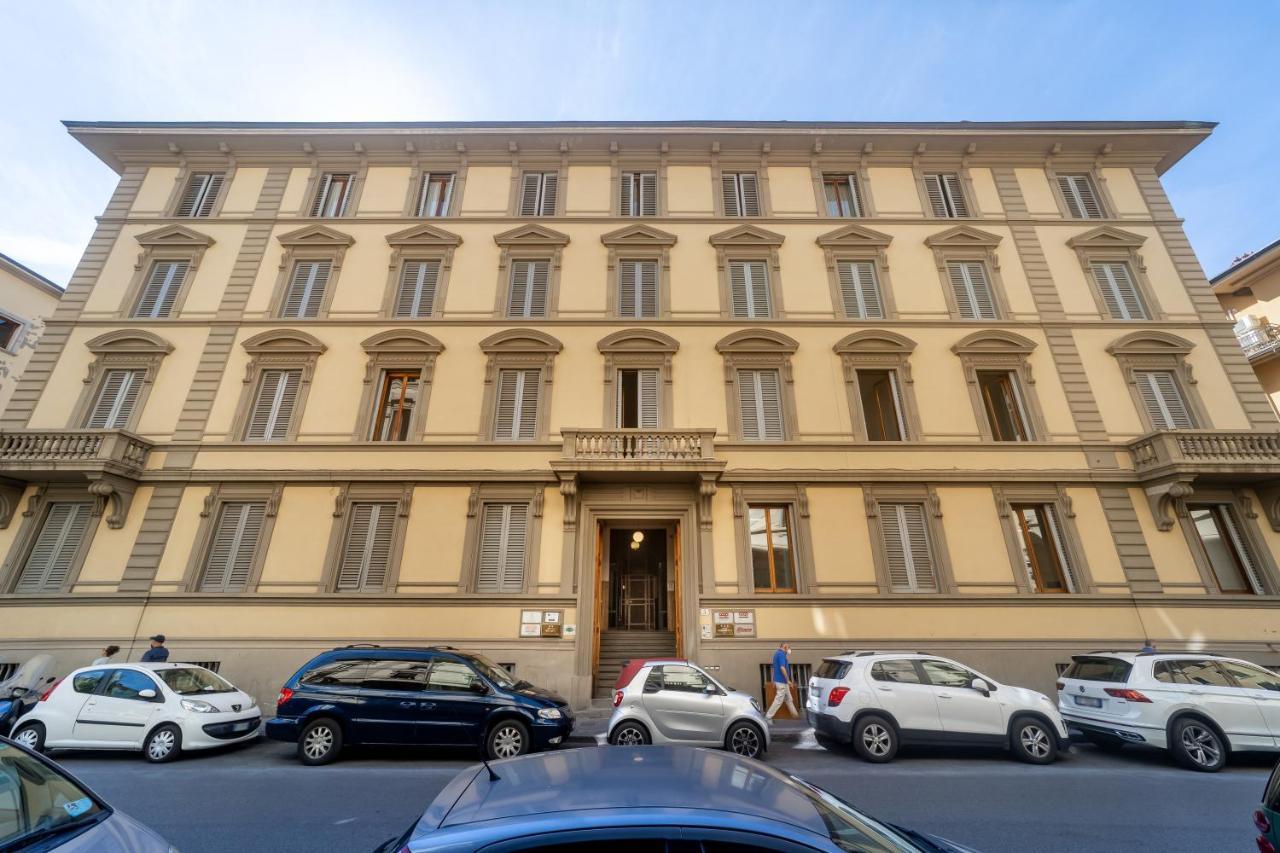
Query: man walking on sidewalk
pixel 781 682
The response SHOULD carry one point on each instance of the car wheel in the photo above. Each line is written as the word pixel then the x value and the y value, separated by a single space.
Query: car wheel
pixel 745 740
pixel 507 739
pixel 1106 743
pixel 1033 741
pixel 31 735
pixel 320 742
pixel 1197 745
pixel 874 739
pixel 629 734
pixel 163 744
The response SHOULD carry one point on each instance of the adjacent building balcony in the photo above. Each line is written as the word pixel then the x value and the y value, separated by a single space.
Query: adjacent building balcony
pixel 633 451
pixel 1260 342
pixel 1238 455
pixel 69 454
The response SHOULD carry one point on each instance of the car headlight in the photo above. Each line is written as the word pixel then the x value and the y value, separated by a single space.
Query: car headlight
pixel 253 703
pixel 199 706
pixel 549 713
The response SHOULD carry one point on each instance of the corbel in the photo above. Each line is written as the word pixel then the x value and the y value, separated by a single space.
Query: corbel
pixel 870 504
pixel 406 499
pixel 117 492
pixel 536 504
pixel 1002 503
pixel 802 502
pixel 1168 502
pixel 1269 497
pixel 273 502
pixel 933 501
pixel 10 496
pixel 1054 151
pixel 341 500
pixel 174 148
pixel 739 503
pixel 308 148
pixel 706 491
pixel 33 502
pixel 1068 508
pixel 473 501
pixel 1246 506
pixel 969 151
pixel 210 500
pixel 867 149
pixel 569 492
pixel 919 152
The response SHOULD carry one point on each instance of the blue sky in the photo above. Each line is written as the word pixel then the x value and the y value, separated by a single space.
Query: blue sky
pixel 853 61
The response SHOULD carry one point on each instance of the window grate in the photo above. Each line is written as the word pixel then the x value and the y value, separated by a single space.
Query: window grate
pixel 211 665
pixel 800 674
pixel 7 670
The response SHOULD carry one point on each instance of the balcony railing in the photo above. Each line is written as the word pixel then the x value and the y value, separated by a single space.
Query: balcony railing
pixel 72 450
pixel 621 445
pixel 1209 448
pixel 1259 341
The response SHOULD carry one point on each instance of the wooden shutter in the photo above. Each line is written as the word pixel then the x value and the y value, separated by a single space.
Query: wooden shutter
pixel 955 194
pixel 749 289
pixel 529 283
pixel 750 194
pixel 638 289
pixel 200 194
pixel 1242 549
pixel 1060 547
pixel 1119 293
pixel 1080 196
pixel 972 290
pixel 627 202
pixel 760 405
pixel 1163 399
pixel 648 281
pixel 946 196
pixel 550 184
pixel 729 191
pixel 273 407
pixel 517 405
pixel 161 289
pixel 529 186
pixel 366 556
pixel 648 383
pixel 49 562
pixel 232 547
pixel 860 290
pixel 306 289
pixel 648 194
pixel 503 530
pixel 855 196
pixel 417 294
pixel 116 398
pixel 322 193
pixel 908 557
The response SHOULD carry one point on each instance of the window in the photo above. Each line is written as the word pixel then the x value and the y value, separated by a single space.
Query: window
pixel 406 676
pixel 749 289
pixel 338 673
pixel 972 290
pixel 1162 397
pixel 396 401
pixel 1229 559
pixel 1111 670
pixel 772 564
pixel 366 553
pixel 1043 550
pixel 128 684
pixel 273 405
pixel 639 194
pixel 87 682
pixel 1003 405
pixel 684 679
pixel 1119 293
pixel 161 289
pixel 844 199
pixel 451 675
pixel 760 405
pixel 908 557
pixel 229 564
pixel 1206 673
pixel 942 674
pixel 10 329
pixel 860 290
pixel 881 405
pixel 502 548
pixel 332 194
pixel 1251 677
pixel 435 194
pixel 1080 195
pixel 538 193
pixel 833 669
pixel 637 406
pixel 946 198
pixel 528 294
pixel 114 403
pixel 306 290
pixel 416 295
pixel 517 412
pixel 741 193
pixel 897 671
pixel 200 195
pixel 638 289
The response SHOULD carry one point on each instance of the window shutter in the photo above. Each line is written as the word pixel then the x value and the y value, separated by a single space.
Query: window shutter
pixel 366 559
pixel 946 196
pixel 1118 291
pixel 528 414
pixel 740 305
pixel 937 201
pixel 231 550
pixel 47 566
pixel 855 196
pixel 972 290
pixel 860 290
pixel 1242 549
pixel 417 294
pixel 517 405
pixel 750 194
pixel 430 200
pixel 502 548
pixel 749 286
pixel 306 289
pixel 538 289
pixel 528 296
pixel 908 557
pixel 628 291
pixel 161 289
pixel 200 194
pixel 273 408
pixel 626 204
pixel 116 398
pixel 322 193
pixel 760 405
pixel 529 194
pixel 648 382
pixel 729 190
pixel 1080 196
pixel 898 411
pixel 955 194
pixel 550 182
pixel 648 194
pixel 648 289
pixel 1060 547
pixel 1163 398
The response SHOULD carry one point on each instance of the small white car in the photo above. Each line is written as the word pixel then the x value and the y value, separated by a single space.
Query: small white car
pixel 1199 706
pixel 159 708
pixel 879 700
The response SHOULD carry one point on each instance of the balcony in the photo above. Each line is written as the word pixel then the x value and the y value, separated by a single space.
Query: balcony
pixel 1260 342
pixel 678 451
pixel 1239 455
pixel 65 454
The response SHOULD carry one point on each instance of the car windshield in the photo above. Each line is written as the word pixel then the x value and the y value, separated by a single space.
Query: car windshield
pixel 38 802
pixel 494 672
pixel 186 681
pixel 850 829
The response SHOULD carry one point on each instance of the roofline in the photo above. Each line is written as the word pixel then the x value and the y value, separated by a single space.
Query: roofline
pixel 1246 265
pixel 32 277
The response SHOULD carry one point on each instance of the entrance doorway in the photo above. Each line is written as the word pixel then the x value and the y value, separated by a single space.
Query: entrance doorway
pixel 637 580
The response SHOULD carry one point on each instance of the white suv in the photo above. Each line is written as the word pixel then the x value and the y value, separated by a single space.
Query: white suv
pixel 1200 706
pixel 877 700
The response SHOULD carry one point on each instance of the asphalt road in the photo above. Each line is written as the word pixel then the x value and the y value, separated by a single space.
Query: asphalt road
pixel 257 797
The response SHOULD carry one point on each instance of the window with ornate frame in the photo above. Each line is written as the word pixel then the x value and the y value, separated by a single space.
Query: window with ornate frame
pixel 1116 273
pixel 1221 530
pixel 366 540
pixel 273 352
pixel 637 245
pixel 436 184
pixel 538 189
pixel 957 253
pixel 170 245
pixel 1044 546
pixel 529 245
pixel 638 193
pixel 629 172
pixel 1159 377
pixel 750 245
pixel 638 350
pixel 774 541
pixel 750 351
pixel 887 354
pixel 858 272
pixel 12 332
pixel 841 189
pixel 409 355
pixel 1080 191
pixel 988 354
pixel 132 352
pixel 498 513
pixel 236 523
pixel 199 192
pixel 908 542
pixel 333 190
pixel 58 527
pixel 517 351
pixel 418 274
pixel 740 192
pixel 314 247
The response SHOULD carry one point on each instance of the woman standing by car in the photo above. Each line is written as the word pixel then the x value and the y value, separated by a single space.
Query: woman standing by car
pixel 107 654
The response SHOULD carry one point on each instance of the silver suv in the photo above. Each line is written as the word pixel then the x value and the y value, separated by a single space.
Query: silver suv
pixel 676 702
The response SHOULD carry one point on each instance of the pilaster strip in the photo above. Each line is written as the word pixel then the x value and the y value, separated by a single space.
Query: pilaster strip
pixel 1131 544
pixel 148 548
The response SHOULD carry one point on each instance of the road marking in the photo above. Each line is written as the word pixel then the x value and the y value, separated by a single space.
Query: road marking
pixel 347 820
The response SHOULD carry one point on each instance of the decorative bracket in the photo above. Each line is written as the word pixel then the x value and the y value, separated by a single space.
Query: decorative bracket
pixel 10 496
pixel 569 491
pixel 1269 497
pixel 1169 502
pixel 117 492
pixel 707 489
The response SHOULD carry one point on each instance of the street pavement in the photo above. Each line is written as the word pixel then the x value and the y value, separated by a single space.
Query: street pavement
pixel 258 797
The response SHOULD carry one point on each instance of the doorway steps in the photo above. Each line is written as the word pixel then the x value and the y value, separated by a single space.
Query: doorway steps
pixel 618 647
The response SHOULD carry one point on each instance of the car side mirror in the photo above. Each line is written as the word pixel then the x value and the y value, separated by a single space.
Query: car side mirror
pixel 981 686
pixel 710 689
pixel 479 687
pixel 147 694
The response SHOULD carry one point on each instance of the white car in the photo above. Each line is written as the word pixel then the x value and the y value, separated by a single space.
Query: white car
pixel 879 700
pixel 1199 706
pixel 160 708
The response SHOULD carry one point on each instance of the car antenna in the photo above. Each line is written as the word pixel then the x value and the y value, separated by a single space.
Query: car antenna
pixel 493 777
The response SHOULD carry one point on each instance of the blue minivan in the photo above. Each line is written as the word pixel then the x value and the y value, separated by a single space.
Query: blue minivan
pixel 410 696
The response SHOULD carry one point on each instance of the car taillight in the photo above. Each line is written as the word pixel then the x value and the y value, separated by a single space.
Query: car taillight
pixel 836 696
pixel 285 695
pixel 52 687
pixel 1058 685
pixel 617 698
pixel 1265 846
pixel 1260 821
pixel 1127 694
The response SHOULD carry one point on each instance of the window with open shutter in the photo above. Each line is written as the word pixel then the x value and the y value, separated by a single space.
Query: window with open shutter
pixel 416 296
pixel 1162 396
pixel 637 398
pixel 946 196
pixel 232 547
pixel 273 405
pixel 200 195
pixel 1003 404
pixel 116 398
pixel 972 290
pixel 49 563
pixel 528 295
pixel 741 193
pixel 305 293
pixel 908 556
pixel 435 194
pixel 333 192
pixel 503 532
pixel 1229 556
pixel 638 289
pixel 844 197
pixel 1081 196
pixel 1119 293
pixel 881 405
pixel 366 554
pixel 538 193
pixel 1044 550
pixel 860 290
pixel 639 194
pixel 760 405
pixel 161 289
pixel 749 289
pixel 517 405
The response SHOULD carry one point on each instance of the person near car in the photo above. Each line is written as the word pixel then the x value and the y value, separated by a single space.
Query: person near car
pixel 1148 648
pixel 157 653
pixel 107 653
pixel 781 682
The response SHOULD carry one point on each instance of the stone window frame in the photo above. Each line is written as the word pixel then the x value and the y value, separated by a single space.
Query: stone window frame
pixel 639 242
pixel 225 493
pixel 483 494
pixel 170 243
pixel 879 349
pixel 621 163
pixel 1055 495
pixel 920 166
pixel 1105 244
pixel 514 349
pixel 748 243
pixel 538 163
pixel 793 496
pixel 420 243
pixel 1180 500
pixel 740 162
pixel 359 171
pixel 999 349
pixel 966 243
pixel 19 336
pixel 276 349
pixel 1152 350
pixel 858 243
pixel 642 349
pixel 531 242
pixel 33 518
pixel 310 243
pixel 187 168
pixel 401 494
pixel 123 349
pixel 1086 167
pixel 906 493
pixel 390 350
pixel 759 349
pixel 821 165
pixel 420 166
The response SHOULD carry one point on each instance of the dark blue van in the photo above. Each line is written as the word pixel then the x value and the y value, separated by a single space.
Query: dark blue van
pixel 407 696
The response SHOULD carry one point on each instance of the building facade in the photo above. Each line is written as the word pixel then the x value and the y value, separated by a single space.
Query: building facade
pixel 1249 292
pixel 568 392
pixel 26 299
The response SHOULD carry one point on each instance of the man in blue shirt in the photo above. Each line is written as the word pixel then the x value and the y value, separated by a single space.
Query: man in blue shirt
pixel 157 653
pixel 781 682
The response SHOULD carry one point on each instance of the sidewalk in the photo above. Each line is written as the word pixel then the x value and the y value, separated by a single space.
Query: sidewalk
pixel 591 723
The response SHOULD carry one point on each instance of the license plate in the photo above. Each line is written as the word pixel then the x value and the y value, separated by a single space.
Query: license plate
pixel 242 727
pixel 1088 701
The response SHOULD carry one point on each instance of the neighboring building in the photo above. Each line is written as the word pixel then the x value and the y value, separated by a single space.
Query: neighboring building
pixel 1250 293
pixel 569 392
pixel 26 299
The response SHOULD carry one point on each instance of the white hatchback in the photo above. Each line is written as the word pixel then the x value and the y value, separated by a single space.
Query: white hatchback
pixel 159 708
